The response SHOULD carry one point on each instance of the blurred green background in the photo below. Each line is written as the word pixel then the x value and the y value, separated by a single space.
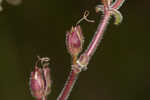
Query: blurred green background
pixel 119 70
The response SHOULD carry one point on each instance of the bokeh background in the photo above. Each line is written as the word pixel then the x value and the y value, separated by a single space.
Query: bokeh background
pixel 119 70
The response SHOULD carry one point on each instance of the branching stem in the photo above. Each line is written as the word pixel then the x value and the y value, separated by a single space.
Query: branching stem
pixel 91 48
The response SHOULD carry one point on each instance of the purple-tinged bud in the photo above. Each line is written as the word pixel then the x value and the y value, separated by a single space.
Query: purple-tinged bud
pixel 46 72
pixel 74 40
pixel 37 83
pixel 40 80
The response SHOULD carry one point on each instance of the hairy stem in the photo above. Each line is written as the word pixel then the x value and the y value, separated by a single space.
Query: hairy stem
pixel 98 35
pixel 68 86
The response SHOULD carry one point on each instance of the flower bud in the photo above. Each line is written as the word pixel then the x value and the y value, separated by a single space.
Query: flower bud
pixel 40 82
pixel 37 83
pixel 74 40
pixel 46 72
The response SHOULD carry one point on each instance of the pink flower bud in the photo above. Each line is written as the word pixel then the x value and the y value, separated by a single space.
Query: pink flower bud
pixel 74 40
pixel 40 83
pixel 46 72
pixel 37 83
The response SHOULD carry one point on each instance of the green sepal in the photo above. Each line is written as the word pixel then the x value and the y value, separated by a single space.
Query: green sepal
pixel 118 16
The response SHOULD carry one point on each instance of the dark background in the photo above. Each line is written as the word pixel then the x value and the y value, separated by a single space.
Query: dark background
pixel 119 70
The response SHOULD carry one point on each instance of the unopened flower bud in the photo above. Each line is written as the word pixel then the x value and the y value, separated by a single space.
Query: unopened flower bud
pixel 74 40
pixel 40 82
pixel 46 72
pixel 37 83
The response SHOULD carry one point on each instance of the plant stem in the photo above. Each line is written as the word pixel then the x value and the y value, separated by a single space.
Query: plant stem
pixel 68 85
pixel 98 35
pixel 74 74
pixel 90 50
pixel 101 27
pixel 117 4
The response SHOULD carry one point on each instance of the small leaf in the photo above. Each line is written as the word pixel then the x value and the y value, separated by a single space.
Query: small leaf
pixel 117 15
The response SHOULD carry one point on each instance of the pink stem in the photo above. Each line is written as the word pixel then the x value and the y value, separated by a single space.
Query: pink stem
pixel 90 50
pixel 117 4
pixel 98 35
pixel 68 86
pixel 102 26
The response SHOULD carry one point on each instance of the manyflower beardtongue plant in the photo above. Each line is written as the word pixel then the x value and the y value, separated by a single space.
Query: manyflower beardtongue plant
pixel 40 83
pixel 74 41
